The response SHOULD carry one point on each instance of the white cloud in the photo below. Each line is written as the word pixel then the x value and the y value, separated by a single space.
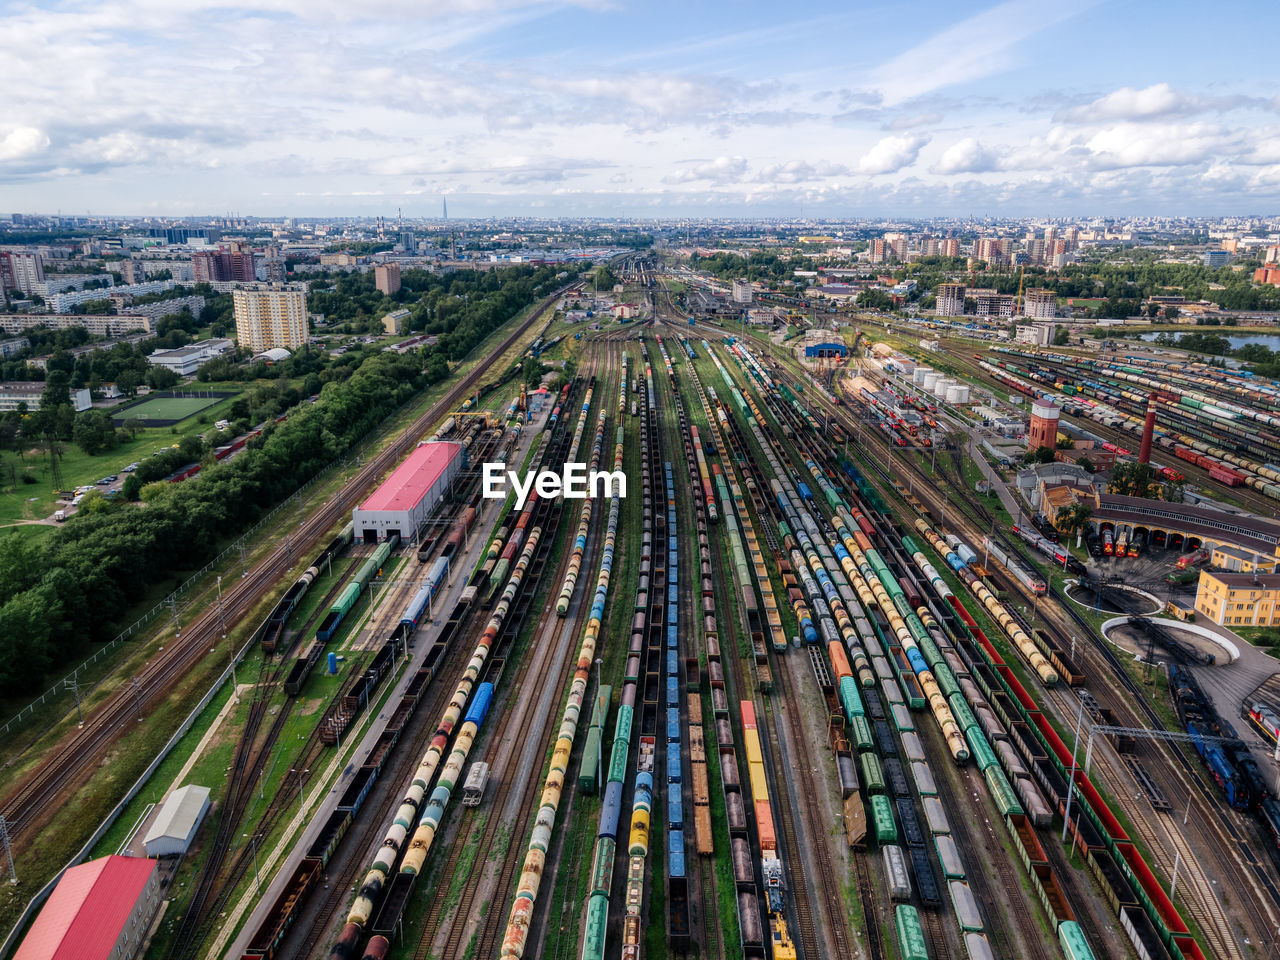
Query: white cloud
pixel 971 49
pixel 22 142
pixel 718 171
pixel 966 156
pixel 892 154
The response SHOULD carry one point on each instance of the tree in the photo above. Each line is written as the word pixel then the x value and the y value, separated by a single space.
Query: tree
pixel 93 432
pixel 603 278
pixel 1172 313
pixel 1065 443
pixel 1041 455
pixel 161 378
pixel 57 390
pixel 1061 338
pixel 1073 518
pixel 875 300
pixel 1086 464
pixel 1132 480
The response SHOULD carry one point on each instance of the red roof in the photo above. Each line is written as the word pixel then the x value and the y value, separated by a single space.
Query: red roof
pixel 87 910
pixel 410 481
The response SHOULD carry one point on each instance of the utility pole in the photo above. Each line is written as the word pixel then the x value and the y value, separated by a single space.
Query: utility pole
pixel 253 839
pixel 1071 780
pixel 73 685
pixel 8 851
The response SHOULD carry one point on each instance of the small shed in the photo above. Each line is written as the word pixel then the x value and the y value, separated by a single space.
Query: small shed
pixel 178 821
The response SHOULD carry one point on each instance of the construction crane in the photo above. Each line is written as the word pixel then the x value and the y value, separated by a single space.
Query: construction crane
pixel 1018 305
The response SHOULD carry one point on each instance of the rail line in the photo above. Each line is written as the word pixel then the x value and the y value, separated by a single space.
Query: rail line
pixel 489 930
pixel 72 763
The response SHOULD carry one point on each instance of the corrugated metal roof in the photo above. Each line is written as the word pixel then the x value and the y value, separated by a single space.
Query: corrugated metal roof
pixel 87 910
pixel 180 813
pixel 410 481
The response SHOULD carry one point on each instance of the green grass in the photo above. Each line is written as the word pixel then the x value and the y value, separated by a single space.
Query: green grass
pixel 165 408
pixel 37 501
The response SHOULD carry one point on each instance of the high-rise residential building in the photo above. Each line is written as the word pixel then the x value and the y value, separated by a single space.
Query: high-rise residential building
pixel 950 300
pixel 949 248
pixel 742 292
pixel 386 277
pixel 1040 303
pixel 879 250
pixel 990 303
pixel 23 272
pixel 271 315
pixel 206 267
pixel 1273 254
pixel 133 271
pixel 243 266
pixel 234 264
pixel 929 247
pixel 988 249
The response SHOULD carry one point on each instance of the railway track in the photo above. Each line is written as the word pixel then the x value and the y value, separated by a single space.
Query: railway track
pixel 1133 707
pixel 72 762
pixel 492 924
pixel 808 790
pixel 812 944
pixel 870 907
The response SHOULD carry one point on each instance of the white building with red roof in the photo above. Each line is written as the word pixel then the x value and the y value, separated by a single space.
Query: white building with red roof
pixel 406 498
pixel 100 910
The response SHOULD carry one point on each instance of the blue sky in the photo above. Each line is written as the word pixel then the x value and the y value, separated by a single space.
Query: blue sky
pixel 619 108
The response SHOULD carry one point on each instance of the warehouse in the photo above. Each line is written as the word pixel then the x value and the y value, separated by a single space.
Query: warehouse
pixel 178 821
pixel 407 497
pixel 100 910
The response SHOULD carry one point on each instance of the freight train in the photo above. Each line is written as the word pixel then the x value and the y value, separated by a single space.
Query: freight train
pixel 273 635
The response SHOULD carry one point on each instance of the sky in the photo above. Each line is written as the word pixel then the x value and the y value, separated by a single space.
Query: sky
pixel 629 108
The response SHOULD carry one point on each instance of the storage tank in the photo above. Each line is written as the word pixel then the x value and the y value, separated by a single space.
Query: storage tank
pixel 930 380
pixel 918 375
pixel 958 393
pixel 940 388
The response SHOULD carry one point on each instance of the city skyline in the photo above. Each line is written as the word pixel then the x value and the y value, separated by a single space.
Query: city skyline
pixel 512 107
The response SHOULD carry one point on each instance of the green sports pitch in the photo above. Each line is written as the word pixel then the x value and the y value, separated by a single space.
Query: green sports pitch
pixel 169 409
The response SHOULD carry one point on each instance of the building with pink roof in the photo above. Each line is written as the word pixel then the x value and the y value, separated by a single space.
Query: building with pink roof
pixel 100 910
pixel 404 501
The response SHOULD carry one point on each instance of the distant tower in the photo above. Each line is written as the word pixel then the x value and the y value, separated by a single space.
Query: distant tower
pixel 445 201
pixel 1043 431
pixel 1148 431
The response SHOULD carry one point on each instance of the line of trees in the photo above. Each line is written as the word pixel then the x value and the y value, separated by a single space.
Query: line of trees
pixel 78 587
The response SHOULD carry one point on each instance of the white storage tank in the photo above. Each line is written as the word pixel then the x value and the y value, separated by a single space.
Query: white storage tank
pixel 918 375
pixel 958 393
pixel 930 380
pixel 940 388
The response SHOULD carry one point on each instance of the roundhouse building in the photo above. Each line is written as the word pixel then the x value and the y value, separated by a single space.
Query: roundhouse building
pixel 406 499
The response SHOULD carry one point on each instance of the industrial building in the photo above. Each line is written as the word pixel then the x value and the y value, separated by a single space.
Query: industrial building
pixel 826 349
pixel 406 499
pixel 176 824
pixel 1043 431
pixel 100 910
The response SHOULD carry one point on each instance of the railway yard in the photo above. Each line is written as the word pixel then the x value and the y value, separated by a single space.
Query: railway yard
pixel 797 691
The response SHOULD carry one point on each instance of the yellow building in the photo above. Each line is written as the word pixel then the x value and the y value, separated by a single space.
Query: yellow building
pixel 1239 599
pixel 270 315
pixel 1237 560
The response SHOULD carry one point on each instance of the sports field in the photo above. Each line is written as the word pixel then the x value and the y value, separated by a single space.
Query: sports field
pixel 169 409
